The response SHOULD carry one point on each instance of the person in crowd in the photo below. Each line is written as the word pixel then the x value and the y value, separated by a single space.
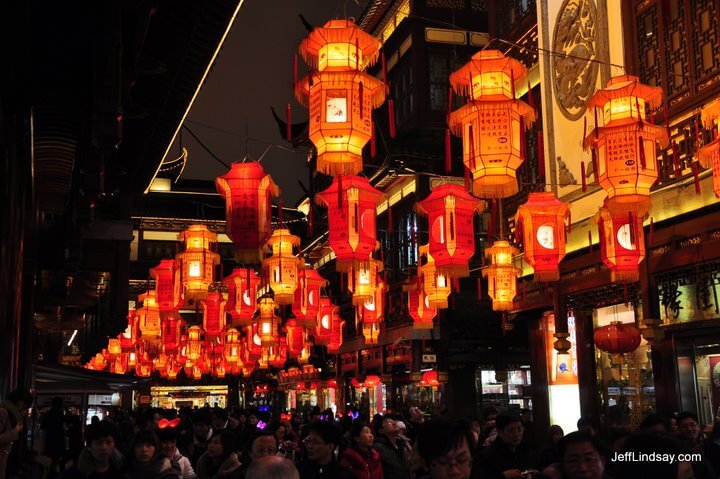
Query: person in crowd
pixel 527 422
pixel 74 433
pixel 653 423
pixel 507 456
pixel 99 459
pixel 476 428
pixel 360 455
pixel 168 446
pixel 221 420
pixel 273 467
pixel 550 454
pixel 220 460
pixel 53 424
pixel 445 448
pixel 415 423
pixel 582 456
pixel 488 436
pixel 322 439
pixel 200 434
pixel 12 413
pixel 262 444
pixel 392 450
pixel 146 460
pixel 672 425
pixel 649 442
pixel 587 425
pixel 286 447
pixel 691 438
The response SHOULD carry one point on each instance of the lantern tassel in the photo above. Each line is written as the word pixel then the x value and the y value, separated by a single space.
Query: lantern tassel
pixel 448 152
pixel 696 177
pixel 373 143
pixel 512 83
pixel 391 117
pixel 584 128
pixel 471 144
pixel 288 126
pixel 582 176
pixel 596 131
pixel 531 100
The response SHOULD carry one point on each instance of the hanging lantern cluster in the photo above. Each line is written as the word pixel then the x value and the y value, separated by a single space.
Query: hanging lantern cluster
pixel 492 122
pixel 501 275
pixel 540 222
pixel 339 94
pixel 451 210
pixel 709 155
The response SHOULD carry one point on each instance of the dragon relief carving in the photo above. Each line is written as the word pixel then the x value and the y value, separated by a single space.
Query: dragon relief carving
pixel 574 67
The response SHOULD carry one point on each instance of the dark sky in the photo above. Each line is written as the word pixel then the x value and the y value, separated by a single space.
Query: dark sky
pixel 253 72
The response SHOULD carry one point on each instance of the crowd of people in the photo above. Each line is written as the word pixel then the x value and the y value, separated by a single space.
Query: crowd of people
pixel 216 443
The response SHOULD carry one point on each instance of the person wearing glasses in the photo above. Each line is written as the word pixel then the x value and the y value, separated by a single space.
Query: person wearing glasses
pixel 322 439
pixel 445 448
pixel 263 444
pixel 582 456
pixel 507 457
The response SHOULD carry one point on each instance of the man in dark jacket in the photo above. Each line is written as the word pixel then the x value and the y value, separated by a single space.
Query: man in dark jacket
pixel 507 457
pixel 100 459
pixel 322 440
pixel 392 450
pixel 53 424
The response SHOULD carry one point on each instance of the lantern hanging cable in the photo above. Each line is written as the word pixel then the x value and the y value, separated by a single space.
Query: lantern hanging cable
pixel 213 155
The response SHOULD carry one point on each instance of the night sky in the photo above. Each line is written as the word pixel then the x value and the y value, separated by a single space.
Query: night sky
pixel 253 72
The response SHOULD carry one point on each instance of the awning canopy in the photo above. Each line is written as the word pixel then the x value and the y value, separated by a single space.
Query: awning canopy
pixel 69 379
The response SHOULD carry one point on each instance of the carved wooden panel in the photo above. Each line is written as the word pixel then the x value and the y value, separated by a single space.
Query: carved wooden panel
pixel 706 44
pixel 648 52
pixel 676 51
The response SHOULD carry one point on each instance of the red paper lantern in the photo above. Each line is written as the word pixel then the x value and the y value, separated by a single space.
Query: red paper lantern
pixel 419 308
pixel 283 265
pixel 172 325
pixel 371 333
pixel 429 378
pixel 351 203
pixel 128 338
pixel 323 331
pixel 617 338
pixel 149 316
pixel 490 122
pixel 295 336
pixel 242 295
pixel 373 309
pixel 307 297
pixel 198 260
pixel 214 314
pixel 541 222
pixel 436 284
pixel 363 281
pixel 336 336
pixel 268 322
pixel 502 275
pixel 233 348
pixel 248 193
pixel 450 211
pixel 339 94
pixel 168 287
pixel 622 242
pixel 253 344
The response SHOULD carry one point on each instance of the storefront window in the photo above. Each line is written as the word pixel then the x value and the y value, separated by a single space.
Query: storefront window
pixel 698 361
pixel 506 390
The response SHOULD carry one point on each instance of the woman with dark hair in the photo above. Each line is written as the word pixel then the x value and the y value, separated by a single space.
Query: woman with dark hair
pixel 220 460
pixel 146 461
pixel 360 456
pixel 445 448
pixel 168 446
pixel 551 455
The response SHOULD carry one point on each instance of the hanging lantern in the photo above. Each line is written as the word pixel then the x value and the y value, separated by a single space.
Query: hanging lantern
pixel 371 333
pixel 114 348
pixel 622 242
pixel 436 284
pixel 541 222
pixel 149 316
pixel 213 314
pixel 168 287
pixel 198 261
pixel 351 203
pixel 242 295
pixel 709 155
pixel 279 353
pixel 419 307
pixel 364 281
pixel 268 322
pixel 450 211
pixel 248 193
pixel 307 297
pixel 143 370
pixel 627 160
pixel 253 344
pixel 501 275
pixel 490 122
pixel 194 344
pixel 232 345
pixel 98 362
pixel 128 338
pixel 119 366
pixel 617 338
pixel 340 95
pixel 373 310
pixel 323 331
pixel 336 336
pixel 171 332
pixel 295 336
pixel 304 356
pixel 160 362
pixel 132 359
pixel 283 265
pixel 429 378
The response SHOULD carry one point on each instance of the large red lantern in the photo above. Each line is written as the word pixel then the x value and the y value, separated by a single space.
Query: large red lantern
pixel 248 193
pixel 172 325
pixel 336 337
pixel 709 155
pixel 627 161
pixel 168 287
pixel 541 222
pixel 242 295
pixel 502 275
pixel 617 338
pixel 253 344
pixel 622 242
pixel 198 261
pixel 419 307
pixel 214 314
pixel 295 336
pixel 450 211
pixel 283 265
pixel 490 123
pixel 324 328
pixel 351 203
pixel 307 297
pixel 339 94
pixel 149 316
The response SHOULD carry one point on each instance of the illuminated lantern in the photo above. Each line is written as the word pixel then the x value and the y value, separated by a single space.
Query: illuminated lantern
pixel 268 322
pixel 371 333
pixel 149 316
pixel 304 356
pixel 214 345
pixel 248 193
pixel 143 370
pixel 323 331
pixel 263 361
pixel 372 381
pixel 419 308
pixel 336 335
pixel 373 310
pixel 502 275
pixel 98 362
pixel 120 364
pixel 351 203
pixel 132 359
pixel 219 370
pixel 279 354
pixel 436 284
pixel 709 155
pixel 160 362
pixel 627 160
pixel 114 348
pixel 198 261
pixel 295 336
pixel 128 338
pixel 197 372
pixel 193 348
pixel 339 94
pixel 307 297
pixel 171 332
pixel 450 211
pixel 429 378
pixel 283 265
pixel 364 281
pixel 168 287
pixel 254 346
pixel 232 345
pixel 214 314
pixel 490 122
pixel 242 295
pixel 622 242
pixel 541 222
pixel 617 338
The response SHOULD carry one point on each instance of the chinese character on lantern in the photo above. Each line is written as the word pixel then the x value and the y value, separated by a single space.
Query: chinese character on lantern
pixel 213 314
pixel 248 193
pixel 450 211
pixel 282 266
pixel 172 325
pixel 501 275
pixel 709 155
pixel 198 261
pixel 242 295
pixel 351 203
pixel 168 287
pixel 540 221
pixel 307 297
pixel 339 94
pixel 622 242
pixel 491 122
